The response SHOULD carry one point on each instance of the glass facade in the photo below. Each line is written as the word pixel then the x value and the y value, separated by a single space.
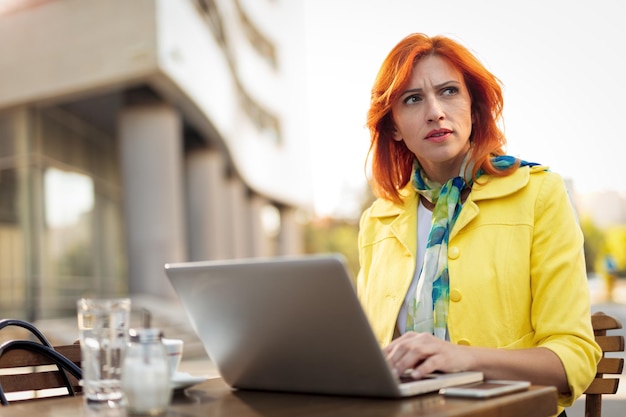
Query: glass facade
pixel 60 217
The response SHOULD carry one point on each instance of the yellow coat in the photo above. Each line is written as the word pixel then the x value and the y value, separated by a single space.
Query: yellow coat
pixel 516 267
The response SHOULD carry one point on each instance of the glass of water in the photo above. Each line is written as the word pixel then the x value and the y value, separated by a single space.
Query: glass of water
pixel 103 331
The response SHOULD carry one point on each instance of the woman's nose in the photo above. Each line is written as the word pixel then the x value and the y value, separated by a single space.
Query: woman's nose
pixel 435 111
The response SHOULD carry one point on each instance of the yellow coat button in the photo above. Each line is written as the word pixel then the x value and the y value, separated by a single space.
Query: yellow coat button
pixel 455 295
pixel 453 252
pixel 463 342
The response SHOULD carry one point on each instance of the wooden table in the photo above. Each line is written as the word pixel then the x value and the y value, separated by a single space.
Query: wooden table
pixel 214 398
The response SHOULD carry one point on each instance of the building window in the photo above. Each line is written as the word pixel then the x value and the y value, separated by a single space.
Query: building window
pixel 266 123
pixel 60 215
pixel 257 39
pixel 211 13
pixel 83 249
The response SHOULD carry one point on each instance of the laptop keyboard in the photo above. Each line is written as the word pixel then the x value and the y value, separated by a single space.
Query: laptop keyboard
pixel 406 376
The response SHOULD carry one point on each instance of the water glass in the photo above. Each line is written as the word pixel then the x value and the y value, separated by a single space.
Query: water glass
pixel 103 330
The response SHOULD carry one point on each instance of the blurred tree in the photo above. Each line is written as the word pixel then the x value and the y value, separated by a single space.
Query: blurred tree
pixel 594 238
pixel 331 234
pixel 334 235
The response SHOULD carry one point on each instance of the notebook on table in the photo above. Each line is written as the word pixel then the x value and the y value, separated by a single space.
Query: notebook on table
pixel 291 324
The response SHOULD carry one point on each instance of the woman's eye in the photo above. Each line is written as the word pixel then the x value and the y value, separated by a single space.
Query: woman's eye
pixel 412 99
pixel 448 91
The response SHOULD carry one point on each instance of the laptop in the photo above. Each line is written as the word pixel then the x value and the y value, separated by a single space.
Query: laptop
pixel 291 324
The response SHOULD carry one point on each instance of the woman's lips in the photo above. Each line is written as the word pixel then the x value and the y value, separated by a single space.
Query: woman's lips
pixel 439 135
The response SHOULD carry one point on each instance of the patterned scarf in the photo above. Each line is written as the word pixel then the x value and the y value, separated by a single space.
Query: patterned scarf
pixel 428 311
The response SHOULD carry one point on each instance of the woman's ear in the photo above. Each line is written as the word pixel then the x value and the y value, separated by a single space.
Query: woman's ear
pixel 396 135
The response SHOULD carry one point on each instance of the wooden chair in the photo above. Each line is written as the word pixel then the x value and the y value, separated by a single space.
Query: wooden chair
pixel 613 366
pixel 35 369
pixel 26 374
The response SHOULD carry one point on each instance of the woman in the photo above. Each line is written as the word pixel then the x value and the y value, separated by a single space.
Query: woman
pixel 470 259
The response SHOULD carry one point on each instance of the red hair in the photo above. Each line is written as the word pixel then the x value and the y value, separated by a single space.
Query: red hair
pixel 392 161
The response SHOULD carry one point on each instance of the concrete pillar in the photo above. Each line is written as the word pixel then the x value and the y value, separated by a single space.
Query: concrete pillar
pixel 206 208
pixel 260 242
pixel 29 195
pixel 290 241
pixel 237 217
pixel 151 161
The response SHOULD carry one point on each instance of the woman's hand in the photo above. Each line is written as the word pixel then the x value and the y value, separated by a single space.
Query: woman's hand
pixel 424 353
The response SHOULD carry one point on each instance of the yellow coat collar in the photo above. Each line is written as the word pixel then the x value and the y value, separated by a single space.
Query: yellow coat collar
pixel 404 212
pixel 499 187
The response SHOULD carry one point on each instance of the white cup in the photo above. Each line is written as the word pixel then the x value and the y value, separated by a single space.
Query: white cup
pixel 174 349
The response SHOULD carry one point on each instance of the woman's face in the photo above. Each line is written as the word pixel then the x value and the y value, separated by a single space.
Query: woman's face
pixel 433 116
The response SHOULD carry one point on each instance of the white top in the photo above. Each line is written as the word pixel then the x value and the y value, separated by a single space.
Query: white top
pixel 424 223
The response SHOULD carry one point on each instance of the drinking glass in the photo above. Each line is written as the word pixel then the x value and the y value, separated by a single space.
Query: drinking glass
pixel 103 331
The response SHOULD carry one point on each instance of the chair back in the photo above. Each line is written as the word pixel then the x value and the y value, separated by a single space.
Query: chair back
pixel 26 374
pixel 608 365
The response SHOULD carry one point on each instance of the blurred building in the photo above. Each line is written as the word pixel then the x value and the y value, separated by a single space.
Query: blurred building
pixel 604 208
pixel 139 132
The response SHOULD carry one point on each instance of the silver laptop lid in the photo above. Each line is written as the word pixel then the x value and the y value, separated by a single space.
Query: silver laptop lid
pixel 284 324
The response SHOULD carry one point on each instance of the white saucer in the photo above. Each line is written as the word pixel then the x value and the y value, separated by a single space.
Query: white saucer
pixel 182 380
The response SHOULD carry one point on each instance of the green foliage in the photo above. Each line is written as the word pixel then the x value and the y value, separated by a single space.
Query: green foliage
pixel 336 236
pixel 602 243
pixel 594 238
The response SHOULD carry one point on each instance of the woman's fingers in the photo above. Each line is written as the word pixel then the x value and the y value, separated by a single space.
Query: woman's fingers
pixel 422 353
pixel 408 351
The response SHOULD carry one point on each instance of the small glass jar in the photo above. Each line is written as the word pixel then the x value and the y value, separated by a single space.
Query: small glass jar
pixel 146 376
